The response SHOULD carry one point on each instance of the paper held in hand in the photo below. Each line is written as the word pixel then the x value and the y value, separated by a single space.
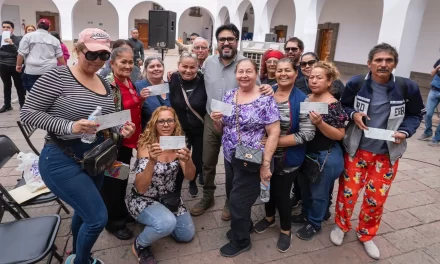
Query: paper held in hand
pixel 377 133
pixel 112 120
pixel 5 35
pixel 159 89
pixel 224 108
pixel 172 142
pixel 317 107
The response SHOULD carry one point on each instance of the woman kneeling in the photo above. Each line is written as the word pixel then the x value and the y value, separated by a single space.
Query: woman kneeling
pixel 155 199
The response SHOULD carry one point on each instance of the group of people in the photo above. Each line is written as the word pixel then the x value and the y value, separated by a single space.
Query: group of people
pixel 25 59
pixel 267 140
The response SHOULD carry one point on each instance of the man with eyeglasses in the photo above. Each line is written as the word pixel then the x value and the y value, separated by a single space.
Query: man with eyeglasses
pixel 40 52
pixel 219 76
pixel 201 49
pixel 293 48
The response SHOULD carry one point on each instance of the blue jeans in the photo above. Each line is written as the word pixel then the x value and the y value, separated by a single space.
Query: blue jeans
pixel 431 104
pixel 29 81
pixel 64 177
pixel 160 222
pixel 315 196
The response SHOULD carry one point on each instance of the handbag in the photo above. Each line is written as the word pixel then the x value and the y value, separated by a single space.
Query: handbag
pixel 245 158
pixel 170 200
pixel 311 167
pixel 189 105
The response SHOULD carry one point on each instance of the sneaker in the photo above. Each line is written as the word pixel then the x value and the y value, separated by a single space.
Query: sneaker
pixel 295 202
pixel 5 108
pixel 193 190
pixel 201 179
pixel 327 215
pixel 299 219
pixel 70 259
pixel 371 249
pixel 143 254
pixel 229 233
pixel 226 213
pixel 230 251
pixel 307 232
pixel 263 224
pixel 424 137
pixel 95 261
pixel 283 243
pixel 201 207
pixel 434 144
pixel 337 236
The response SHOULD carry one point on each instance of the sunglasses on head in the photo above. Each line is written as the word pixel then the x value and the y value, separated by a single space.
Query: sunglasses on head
pixel 291 49
pixel 187 54
pixel 305 63
pixel 93 55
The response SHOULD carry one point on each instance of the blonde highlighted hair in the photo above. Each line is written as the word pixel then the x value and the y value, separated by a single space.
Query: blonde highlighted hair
pixel 332 72
pixel 149 136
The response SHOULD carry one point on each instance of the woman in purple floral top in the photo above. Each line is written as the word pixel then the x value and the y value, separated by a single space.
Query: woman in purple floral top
pixel 323 149
pixel 258 116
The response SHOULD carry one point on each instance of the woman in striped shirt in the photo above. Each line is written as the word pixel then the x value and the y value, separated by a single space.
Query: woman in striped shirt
pixel 296 130
pixel 60 102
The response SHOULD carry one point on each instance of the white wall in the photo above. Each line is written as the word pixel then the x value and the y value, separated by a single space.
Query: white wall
pixel 200 25
pixel 359 27
pixel 140 11
pixel 250 22
pixel 428 46
pixel 87 14
pixel 284 15
pixel 28 11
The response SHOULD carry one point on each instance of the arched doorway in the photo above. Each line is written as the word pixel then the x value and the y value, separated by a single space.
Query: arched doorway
pixel 245 13
pixel 88 14
pixel 21 14
pixel 281 17
pixel 139 19
pixel 195 20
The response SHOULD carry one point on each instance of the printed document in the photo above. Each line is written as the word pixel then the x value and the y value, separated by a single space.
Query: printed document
pixel 224 108
pixel 112 120
pixel 317 107
pixel 377 133
pixel 172 142
pixel 159 89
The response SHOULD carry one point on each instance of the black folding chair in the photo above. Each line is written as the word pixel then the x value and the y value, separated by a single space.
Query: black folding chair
pixel 9 149
pixel 26 240
pixel 27 131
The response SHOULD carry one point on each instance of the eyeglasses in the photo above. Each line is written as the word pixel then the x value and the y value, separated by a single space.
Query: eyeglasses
pixel 229 39
pixel 187 54
pixel 271 62
pixel 200 48
pixel 93 55
pixel 305 63
pixel 168 121
pixel 291 49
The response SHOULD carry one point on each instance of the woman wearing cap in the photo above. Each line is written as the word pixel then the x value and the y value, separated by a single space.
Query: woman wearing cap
pixel 269 66
pixel 60 102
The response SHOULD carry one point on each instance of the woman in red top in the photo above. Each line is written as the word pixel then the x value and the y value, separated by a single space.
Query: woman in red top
pixel 126 98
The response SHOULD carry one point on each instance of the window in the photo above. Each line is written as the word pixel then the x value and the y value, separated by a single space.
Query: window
pixel 157 7
pixel 195 12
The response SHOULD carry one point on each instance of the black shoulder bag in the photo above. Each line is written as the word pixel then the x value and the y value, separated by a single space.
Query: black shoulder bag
pixel 311 168
pixel 245 158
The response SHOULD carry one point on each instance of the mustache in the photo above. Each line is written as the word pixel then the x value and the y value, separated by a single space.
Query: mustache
pixel 383 70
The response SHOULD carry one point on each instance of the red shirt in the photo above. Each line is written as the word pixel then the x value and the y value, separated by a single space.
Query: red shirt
pixel 131 100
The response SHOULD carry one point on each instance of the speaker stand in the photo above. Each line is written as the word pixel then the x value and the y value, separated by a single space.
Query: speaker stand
pixel 163 53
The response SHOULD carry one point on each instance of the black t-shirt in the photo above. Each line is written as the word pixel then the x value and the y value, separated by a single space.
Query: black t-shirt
pixel 435 66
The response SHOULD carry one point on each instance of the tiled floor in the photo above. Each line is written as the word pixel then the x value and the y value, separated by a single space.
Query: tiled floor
pixel 409 233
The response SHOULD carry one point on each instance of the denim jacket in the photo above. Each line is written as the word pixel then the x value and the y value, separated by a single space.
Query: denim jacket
pixel 405 116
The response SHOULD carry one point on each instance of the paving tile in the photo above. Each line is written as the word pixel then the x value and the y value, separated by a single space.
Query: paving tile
pixel 218 219
pixel 402 175
pixel 386 249
pixel 395 190
pixel 404 201
pixel 426 214
pixel 212 239
pixel 122 254
pixel 10 181
pixel 262 251
pixel 430 231
pixel 433 251
pixel 341 255
pixel 166 248
pixel 324 236
pixel 300 246
pixel 212 256
pixel 220 178
pixel 400 219
pixel 205 221
pixel 303 259
pixel 5 171
pixel 408 239
pixel 417 256
pixel 411 186
pixel 106 240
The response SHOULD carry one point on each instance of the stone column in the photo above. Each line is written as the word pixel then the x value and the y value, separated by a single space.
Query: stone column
pixel 306 24
pixel 65 8
pixel 401 22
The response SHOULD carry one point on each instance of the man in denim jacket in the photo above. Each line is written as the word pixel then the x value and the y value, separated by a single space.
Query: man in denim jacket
pixel 378 100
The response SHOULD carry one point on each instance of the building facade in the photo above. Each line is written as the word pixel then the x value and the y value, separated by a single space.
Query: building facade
pixel 338 30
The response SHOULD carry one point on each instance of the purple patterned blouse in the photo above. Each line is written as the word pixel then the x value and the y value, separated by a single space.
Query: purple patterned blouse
pixel 253 118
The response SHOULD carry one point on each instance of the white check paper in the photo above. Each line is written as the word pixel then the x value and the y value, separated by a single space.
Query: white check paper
pixel 172 142
pixel 224 108
pixel 159 89
pixel 112 120
pixel 5 35
pixel 317 107
pixel 377 133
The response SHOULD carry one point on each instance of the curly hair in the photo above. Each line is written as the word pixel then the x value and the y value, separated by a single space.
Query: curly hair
pixel 149 136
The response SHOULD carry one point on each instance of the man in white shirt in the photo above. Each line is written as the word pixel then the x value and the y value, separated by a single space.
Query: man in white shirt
pixel 40 52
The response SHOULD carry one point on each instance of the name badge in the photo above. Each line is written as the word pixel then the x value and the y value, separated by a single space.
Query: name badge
pixel 397 111
pixel 360 106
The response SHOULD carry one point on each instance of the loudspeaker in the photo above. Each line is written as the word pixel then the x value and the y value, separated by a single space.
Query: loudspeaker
pixel 162 29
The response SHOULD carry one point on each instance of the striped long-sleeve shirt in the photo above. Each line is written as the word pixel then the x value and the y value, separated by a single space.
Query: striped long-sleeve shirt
pixel 58 99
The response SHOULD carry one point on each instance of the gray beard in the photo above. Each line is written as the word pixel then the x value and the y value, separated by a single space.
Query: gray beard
pixel 227 56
